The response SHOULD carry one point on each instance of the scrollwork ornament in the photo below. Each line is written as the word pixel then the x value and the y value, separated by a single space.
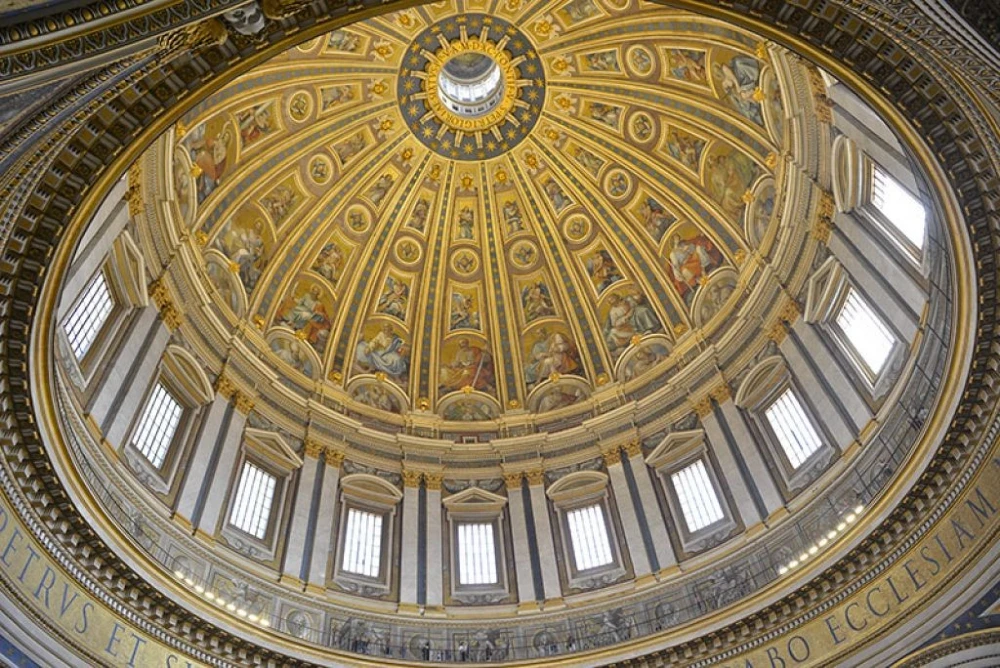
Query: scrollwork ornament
pixel 210 32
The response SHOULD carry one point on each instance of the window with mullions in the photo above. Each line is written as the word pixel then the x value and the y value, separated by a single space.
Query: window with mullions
pixel 865 331
pixel 900 208
pixel 254 497
pixel 477 560
pixel 589 535
pixel 363 543
pixel 89 315
pixel 696 494
pixel 157 426
pixel 795 433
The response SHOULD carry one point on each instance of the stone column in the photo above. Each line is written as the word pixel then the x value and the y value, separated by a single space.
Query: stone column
pixel 543 536
pixel 843 411
pixel 211 433
pixel 220 476
pixel 295 566
pixel 408 571
pixel 435 565
pixel 735 477
pixel 747 445
pixel 122 387
pixel 626 512
pixel 324 539
pixel 655 522
pixel 519 540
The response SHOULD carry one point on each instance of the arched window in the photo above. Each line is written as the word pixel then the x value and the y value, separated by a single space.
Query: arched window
pixel 856 327
pixel 689 479
pixel 592 553
pixel 157 425
pixel 362 543
pixel 589 537
pixel 258 500
pixel 898 207
pixel 792 428
pixel 251 509
pixel 89 315
pixel 367 524
pixel 790 436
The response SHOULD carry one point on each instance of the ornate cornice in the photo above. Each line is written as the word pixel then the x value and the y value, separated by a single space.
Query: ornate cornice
pixel 964 442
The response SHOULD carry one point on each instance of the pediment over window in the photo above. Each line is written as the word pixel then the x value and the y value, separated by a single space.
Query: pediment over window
pixel 187 377
pixel 370 488
pixel 578 486
pixel 826 286
pixel 475 500
pixel 127 271
pixel 272 448
pixel 676 445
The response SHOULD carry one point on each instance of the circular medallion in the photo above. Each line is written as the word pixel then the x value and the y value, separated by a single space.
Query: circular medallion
pixel 640 60
pixel 408 251
pixel 640 127
pixel 577 228
pixel 524 254
pixel 472 87
pixel 617 184
pixel 358 219
pixel 464 262
pixel 320 169
pixel 299 106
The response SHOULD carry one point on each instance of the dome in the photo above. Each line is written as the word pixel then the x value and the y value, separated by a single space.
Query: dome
pixel 597 234
pixel 567 332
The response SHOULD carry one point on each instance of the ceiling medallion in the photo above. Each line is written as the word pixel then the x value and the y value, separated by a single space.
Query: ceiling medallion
pixel 471 87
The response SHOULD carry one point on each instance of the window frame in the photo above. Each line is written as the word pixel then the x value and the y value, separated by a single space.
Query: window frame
pixel 348 510
pixel 677 451
pixel 793 478
pixel 270 452
pixel 477 506
pixel 108 331
pixel 247 463
pixel 184 379
pixel 828 290
pixel 765 383
pixel 159 477
pixel 579 490
pixel 367 493
pixel 883 223
pixel 870 376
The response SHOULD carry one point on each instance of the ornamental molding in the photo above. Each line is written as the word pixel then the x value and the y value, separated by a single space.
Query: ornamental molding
pixel 968 450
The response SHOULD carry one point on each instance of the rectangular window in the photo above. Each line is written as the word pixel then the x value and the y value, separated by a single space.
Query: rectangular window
pixel 84 322
pixel 157 426
pixel 477 561
pixel 900 208
pixel 363 543
pixel 254 496
pixel 865 331
pixel 793 429
pixel 589 535
pixel 699 502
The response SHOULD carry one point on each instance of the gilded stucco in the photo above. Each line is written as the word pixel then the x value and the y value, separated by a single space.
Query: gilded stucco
pixel 598 239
